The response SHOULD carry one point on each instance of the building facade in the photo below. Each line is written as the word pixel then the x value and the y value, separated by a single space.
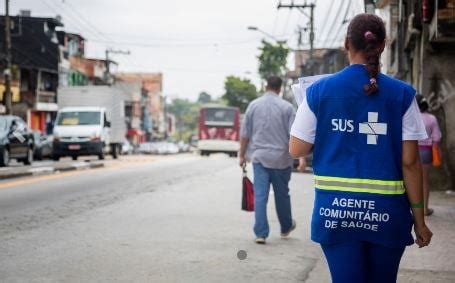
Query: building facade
pixel 421 51
pixel 325 61
pixel 35 58
pixel 152 104
pixel 132 92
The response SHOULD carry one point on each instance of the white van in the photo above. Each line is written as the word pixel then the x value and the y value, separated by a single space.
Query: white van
pixel 90 121
pixel 81 131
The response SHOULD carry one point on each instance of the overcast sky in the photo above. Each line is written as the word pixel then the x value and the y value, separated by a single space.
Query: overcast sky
pixel 194 43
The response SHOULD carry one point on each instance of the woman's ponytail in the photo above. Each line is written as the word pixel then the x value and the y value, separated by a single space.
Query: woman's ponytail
pixel 372 53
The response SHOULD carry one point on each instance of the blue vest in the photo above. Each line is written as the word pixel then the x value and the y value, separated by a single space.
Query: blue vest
pixel 357 160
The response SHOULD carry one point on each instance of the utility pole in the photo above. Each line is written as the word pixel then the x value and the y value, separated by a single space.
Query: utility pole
pixel 7 71
pixel 369 6
pixel 107 73
pixel 166 124
pixel 301 8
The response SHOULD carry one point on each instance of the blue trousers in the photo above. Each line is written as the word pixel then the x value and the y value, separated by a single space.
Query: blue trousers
pixel 362 262
pixel 279 178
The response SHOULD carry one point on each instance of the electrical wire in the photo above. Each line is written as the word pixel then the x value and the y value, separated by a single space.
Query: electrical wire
pixel 343 22
pixel 336 20
pixel 327 16
pixel 73 19
pixel 275 22
pixel 287 22
pixel 148 44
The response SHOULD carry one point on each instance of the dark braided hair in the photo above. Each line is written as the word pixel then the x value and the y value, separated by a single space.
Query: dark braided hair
pixel 422 102
pixel 366 33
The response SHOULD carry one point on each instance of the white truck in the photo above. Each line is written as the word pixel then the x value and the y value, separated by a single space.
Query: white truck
pixel 90 121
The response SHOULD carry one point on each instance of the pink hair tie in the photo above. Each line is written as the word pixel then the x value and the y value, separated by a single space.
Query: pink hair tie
pixel 369 35
pixel 373 81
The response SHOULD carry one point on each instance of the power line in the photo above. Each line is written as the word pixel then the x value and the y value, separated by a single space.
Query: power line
pixel 327 16
pixel 275 22
pixel 179 39
pixel 148 44
pixel 81 19
pixel 287 22
pixel 75 20
pixel 332 26
pixel 301 8
pixel 348 6
pixel 94 29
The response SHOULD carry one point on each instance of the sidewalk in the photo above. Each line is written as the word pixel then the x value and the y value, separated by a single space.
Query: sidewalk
pixel 46 167
pixel 435 263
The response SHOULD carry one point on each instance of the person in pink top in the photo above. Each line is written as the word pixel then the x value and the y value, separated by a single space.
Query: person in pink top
pixel 426 146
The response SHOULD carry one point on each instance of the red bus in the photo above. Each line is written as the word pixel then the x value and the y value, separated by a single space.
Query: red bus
pixel 219 130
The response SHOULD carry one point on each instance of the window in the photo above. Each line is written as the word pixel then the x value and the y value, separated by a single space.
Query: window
pixel 79 118
pixel 219 116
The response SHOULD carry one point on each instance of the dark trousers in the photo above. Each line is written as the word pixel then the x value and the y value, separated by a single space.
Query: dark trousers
pixel 362 262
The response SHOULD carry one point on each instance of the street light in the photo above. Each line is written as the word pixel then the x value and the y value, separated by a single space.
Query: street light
pixel 253 28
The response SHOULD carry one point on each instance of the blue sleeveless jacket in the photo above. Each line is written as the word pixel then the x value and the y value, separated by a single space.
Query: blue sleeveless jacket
pixel 357 160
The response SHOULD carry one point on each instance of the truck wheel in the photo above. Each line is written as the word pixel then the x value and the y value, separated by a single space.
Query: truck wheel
pixel 39 155
pixel 4 158
pixel 74 157
pixel 29 158
pixel 55 157
pixel 115 151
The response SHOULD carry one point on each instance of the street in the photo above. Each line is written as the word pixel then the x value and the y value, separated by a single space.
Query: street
pixel 172 219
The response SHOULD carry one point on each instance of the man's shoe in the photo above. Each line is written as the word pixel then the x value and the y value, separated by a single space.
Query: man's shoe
pixel 285 234
pixel 260 240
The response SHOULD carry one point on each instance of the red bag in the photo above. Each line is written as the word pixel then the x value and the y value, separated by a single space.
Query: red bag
pixel 247 193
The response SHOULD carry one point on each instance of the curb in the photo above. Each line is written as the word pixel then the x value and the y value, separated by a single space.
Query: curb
pixel 15 175
pixel 48 170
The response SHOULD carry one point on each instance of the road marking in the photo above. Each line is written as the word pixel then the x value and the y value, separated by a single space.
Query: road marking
pixel 37 179
pixel 33 180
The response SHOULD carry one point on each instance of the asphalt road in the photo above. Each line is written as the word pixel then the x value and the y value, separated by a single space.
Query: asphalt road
pixel 156 219
pixel 172 219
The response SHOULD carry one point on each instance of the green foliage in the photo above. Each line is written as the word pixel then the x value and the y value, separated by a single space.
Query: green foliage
pixel 204 98
pixel 239 92
pixel 186 114
pixel 272 60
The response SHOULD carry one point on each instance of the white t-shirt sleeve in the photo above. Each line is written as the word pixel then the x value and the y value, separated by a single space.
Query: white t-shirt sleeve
pixel 304 127
pixel 413 127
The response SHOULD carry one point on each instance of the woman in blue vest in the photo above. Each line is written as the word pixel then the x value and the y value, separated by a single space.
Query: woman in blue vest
pixel 363 128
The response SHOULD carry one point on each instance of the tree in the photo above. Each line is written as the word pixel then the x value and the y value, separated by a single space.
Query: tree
pixel 272 60
pixel 186 114
pixel 204 97
pixel 239 92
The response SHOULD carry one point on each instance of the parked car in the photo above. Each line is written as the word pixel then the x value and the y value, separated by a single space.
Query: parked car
pixel 147 148
pixel 161 147
pixel 16 141
pixel 43 146
pixel 127 148
pixel 171 148
pixel 183 147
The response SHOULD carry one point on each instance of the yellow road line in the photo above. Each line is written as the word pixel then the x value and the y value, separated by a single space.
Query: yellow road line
pixel 54 176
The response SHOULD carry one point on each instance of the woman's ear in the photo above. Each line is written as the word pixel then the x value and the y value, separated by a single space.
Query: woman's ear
pixel 346 43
